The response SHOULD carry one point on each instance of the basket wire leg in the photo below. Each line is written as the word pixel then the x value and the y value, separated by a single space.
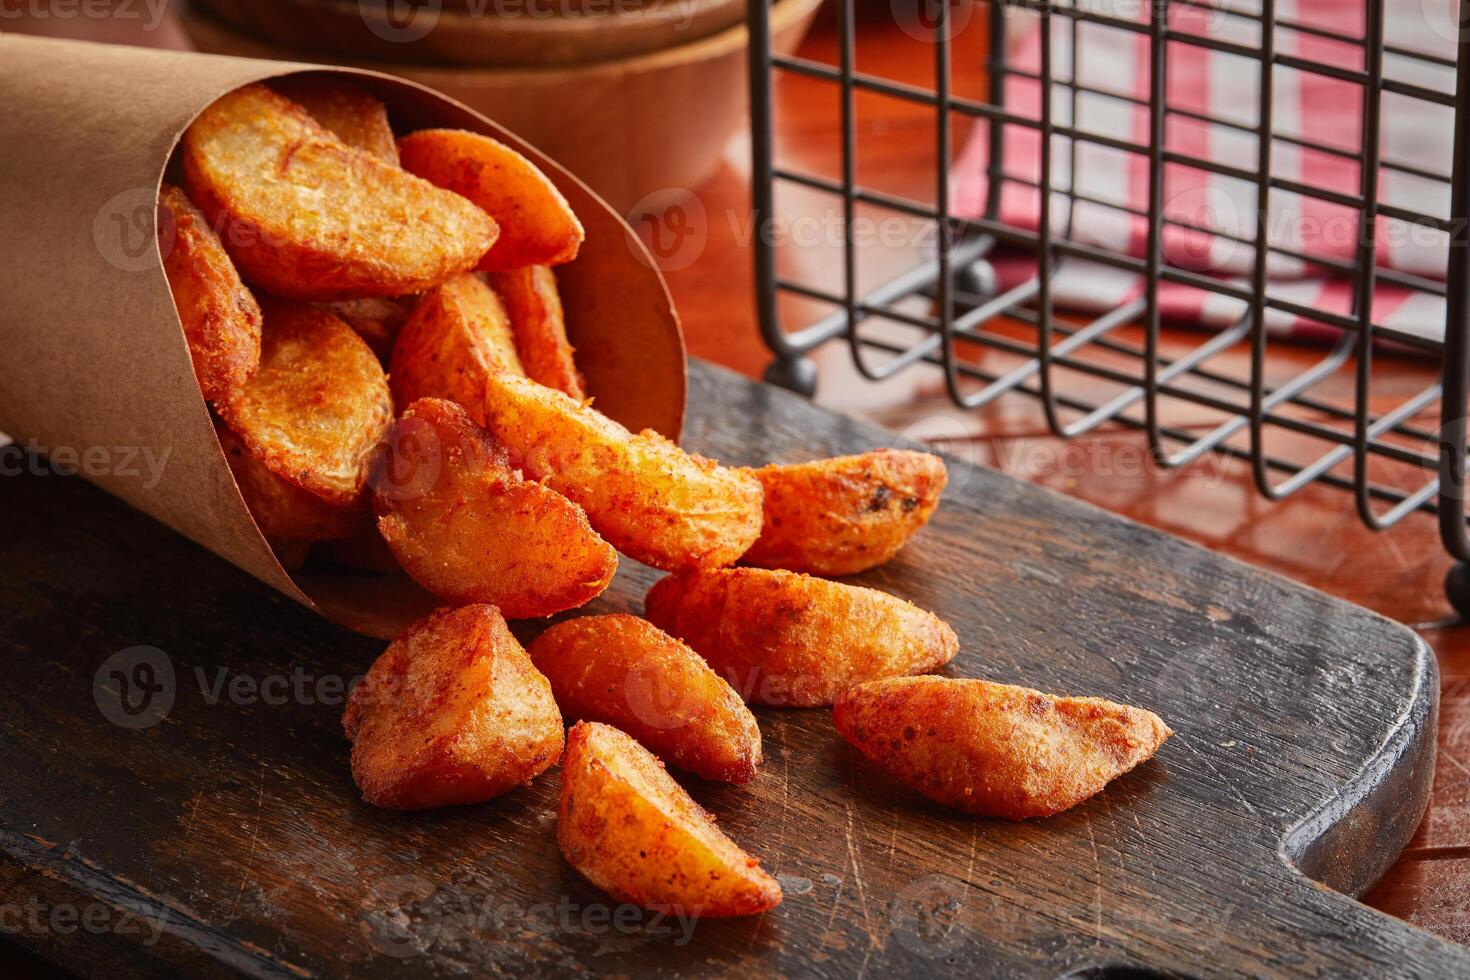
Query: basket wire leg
pixel 791 369
pixel 1456 378
pixel 1158 24
pixel 1265 121
pixel 944 238
pixel 1372 95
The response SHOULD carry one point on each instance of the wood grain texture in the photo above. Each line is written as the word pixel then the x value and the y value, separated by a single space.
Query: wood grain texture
pixel 1303 734
pixel 1314 537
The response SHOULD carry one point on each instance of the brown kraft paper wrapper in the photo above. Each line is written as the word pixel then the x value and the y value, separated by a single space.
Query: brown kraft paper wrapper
pixel 91 350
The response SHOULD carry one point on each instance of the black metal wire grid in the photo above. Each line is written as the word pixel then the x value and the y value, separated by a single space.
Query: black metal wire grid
pixel 1421 434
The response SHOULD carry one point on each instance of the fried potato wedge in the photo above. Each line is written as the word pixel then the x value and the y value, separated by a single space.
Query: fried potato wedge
pixel 537 225
pixel 220 316
pixel 790 640
pixel 624 671
pixel 376 319
pixel 468 528
pixel 654 502
pixel 306 216
pixel 633 832
pixel 452 712
pixel 458 336
pixel 534 305
pixel 317 408
pixel 845 515
pixel 352 113
pixel 283 511
pixel 995 749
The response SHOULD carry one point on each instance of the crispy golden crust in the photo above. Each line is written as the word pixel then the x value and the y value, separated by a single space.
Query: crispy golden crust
pixel 352 114
pixel 221 318
pixel 845 515
pixel 306 216
pixel 789 640
pixel 624 671
pixel 534 306
pixel 468 528
pixel 376 319
pixel 653 501
pixel 995 749
pixel 633 832
pixel 452 712
pixel 317 408
pixel 284 512
pixel 537 226
pixel 458 335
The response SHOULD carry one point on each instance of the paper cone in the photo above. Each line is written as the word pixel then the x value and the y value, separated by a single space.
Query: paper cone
pixel 91 350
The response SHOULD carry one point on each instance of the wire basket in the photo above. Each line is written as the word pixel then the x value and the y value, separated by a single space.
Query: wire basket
pixel 988 304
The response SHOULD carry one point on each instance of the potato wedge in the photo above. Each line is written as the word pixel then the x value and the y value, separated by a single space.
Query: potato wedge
pixel 452 712
pixel 351 112
pixel 633 832
pixel 995 749
pixel 220 316
pixel 376 319
pixel 845 515
pixel 458 335
pixel 468 528
pixel 653 501
pixel 317 408
pixel 624 671
pixel 534 306
pixel 537 226
pixel 282 510
pixel 306 216
pixel 790 640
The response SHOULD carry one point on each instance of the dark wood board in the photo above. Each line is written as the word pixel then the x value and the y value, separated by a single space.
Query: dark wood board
pixel 1301 765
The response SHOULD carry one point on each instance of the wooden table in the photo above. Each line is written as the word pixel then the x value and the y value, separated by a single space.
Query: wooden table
pixel 217 831
pixel 1314 537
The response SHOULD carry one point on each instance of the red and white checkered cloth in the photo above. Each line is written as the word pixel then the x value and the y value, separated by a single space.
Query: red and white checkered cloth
pixel 1224 86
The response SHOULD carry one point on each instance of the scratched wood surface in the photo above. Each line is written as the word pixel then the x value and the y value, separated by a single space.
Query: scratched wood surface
pixel 225 835
pixel 1314 537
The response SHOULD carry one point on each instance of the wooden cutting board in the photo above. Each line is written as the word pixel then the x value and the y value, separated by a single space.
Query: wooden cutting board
pixel 224 834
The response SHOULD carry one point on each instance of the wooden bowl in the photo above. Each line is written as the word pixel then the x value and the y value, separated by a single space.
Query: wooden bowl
pixel 629 127
pixel 498 32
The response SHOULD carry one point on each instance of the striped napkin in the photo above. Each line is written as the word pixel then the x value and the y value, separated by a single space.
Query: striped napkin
pixel 1223 87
